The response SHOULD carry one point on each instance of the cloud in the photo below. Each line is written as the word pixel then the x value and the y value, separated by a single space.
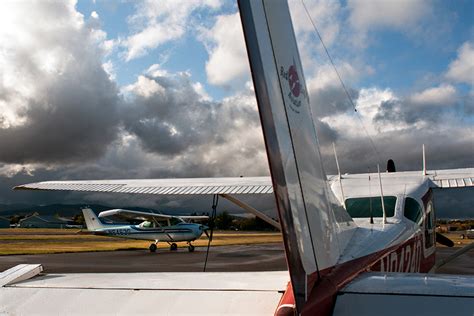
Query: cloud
pixel 325 91
pixel 407 16
pixel 57 103
pixel 462 68
pixel 225 44
pixel 400 15
pixel 168 116
pixel 158 22
pixel 430 106
pixel 326 14
pixel 444 95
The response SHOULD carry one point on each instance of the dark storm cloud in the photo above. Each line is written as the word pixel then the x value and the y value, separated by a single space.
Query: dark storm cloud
pixel 407 112
pixel 326 134
pixel 64 102
pixel 332 100
pixel 175 119
pixel 411 110
pixel 75 121
pixel 171 121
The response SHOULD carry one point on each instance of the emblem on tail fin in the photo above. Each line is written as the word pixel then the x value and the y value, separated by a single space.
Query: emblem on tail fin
pixel 296 89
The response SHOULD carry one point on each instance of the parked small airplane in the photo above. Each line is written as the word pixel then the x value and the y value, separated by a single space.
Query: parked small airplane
pixel 155 227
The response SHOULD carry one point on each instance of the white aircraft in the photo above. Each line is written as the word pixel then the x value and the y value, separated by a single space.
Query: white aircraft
pixel 155 227
pixel 353 242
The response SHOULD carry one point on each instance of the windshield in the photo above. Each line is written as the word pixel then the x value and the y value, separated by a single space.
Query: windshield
pixel 175 221
pixel 365 206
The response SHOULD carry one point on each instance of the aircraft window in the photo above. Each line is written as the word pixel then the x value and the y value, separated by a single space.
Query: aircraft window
pixel 147 224
pixel 413 210
pixel 175 221
pixel 429 231
pixel 362 207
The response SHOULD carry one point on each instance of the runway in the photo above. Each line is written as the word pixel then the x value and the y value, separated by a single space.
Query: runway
pixel 261 257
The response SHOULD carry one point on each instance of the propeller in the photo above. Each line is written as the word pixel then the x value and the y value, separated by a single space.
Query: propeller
pixel 215 201
pixel 443 240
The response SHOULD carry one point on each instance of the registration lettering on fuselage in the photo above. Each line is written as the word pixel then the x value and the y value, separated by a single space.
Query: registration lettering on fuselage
pixel 119 231
pixel 406 258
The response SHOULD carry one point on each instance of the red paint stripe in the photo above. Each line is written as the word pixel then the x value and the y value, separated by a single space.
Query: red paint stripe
pixel 323 294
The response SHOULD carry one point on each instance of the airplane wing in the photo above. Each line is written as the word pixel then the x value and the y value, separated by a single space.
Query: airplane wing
pixel 376 293
pixel 226 187
pixel 133 215
pixel 24 290
pixel 144 216
pixel 190 186
pixel 452 178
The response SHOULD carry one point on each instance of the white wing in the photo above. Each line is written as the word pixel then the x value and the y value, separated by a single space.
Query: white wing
pixel 129 214
pixel 24 291
pixel 452 178
pixel 144 216
pixel 190 186
pixel 379 293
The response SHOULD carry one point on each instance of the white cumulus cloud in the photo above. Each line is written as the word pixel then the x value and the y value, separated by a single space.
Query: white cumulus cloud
pixel 398 14
pixel 226 47
pixel 462 68
pixel 158 22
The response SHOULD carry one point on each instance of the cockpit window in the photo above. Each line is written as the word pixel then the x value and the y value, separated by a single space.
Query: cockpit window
pixel 364 207
pixel 413 210
pixel 175 221
pixel 147 224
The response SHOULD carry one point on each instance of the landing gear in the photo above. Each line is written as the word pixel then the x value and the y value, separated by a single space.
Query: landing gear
pixel 190 248
pixel 152 247
pixel 173 247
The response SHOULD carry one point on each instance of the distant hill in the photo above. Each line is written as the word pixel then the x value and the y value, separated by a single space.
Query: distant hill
pixel 65 210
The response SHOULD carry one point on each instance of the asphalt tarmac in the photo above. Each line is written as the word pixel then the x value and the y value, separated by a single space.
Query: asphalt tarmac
pixel 262 257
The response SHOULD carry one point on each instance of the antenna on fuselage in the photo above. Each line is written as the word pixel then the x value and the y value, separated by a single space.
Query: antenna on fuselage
pixel 339 175
pixel 424 161
pixel 370 199
pixel 381 196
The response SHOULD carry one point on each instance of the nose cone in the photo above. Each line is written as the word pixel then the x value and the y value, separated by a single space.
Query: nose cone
pixel 200 229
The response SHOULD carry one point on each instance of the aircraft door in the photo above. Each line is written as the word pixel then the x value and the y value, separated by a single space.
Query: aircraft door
pixel 429 234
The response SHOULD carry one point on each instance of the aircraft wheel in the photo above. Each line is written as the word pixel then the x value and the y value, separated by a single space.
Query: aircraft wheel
pixel 191 248
pixel 173 247
pixel 463 236
pixel 152 248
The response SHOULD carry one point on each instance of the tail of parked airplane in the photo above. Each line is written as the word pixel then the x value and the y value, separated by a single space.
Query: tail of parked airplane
pixel 92 221
pixel 316 228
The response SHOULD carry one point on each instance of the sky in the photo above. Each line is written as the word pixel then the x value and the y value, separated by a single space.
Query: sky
pixel 96 89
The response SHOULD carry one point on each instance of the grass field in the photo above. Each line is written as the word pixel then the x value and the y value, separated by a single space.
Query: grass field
pixel 15 241
pixel 40 241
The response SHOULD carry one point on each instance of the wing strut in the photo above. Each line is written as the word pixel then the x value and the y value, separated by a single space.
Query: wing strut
pixel 252 210
pixel 452 257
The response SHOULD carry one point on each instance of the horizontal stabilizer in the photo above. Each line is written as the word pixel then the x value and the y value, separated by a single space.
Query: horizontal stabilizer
pixel 407 294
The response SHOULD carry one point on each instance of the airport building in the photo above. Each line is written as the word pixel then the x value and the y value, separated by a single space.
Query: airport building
pixel 44 221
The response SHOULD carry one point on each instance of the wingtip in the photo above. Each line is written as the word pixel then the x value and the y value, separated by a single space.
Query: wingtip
pixel 23 187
